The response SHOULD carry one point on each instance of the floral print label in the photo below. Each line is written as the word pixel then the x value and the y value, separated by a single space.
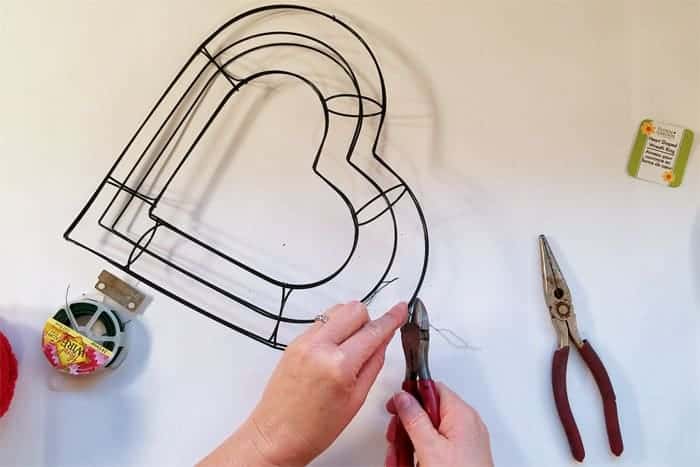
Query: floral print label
pixel 660 153
pixel 70 351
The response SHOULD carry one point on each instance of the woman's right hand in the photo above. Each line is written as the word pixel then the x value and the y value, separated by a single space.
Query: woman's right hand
pixel 461 439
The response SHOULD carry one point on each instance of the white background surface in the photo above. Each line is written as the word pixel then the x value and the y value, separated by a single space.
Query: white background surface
pixel 522 117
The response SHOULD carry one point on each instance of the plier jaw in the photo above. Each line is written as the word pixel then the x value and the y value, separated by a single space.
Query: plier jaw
pixel 415 339
pixel 557 297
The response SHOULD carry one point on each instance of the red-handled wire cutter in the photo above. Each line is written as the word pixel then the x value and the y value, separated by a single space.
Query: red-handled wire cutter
pixel 561 309
pixel 415 338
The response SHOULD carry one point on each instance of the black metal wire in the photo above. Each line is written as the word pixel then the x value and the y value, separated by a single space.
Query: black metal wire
pixel 150 201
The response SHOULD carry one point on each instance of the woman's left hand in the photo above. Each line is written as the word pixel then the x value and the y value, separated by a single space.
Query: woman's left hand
pixel 317 388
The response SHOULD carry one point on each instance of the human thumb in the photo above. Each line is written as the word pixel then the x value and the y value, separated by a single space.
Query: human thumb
pixel 415 421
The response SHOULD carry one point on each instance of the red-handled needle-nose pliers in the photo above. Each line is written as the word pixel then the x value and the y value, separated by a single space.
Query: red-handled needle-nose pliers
pixel 415 338
pixel 561 310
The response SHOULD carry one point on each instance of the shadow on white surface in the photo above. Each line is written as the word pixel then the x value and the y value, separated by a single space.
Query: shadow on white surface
pixel 695 257
pixel 627 407
pixel 68 424
pixel 477 391
pixel 99 411
pixel 25 412
pixel 359 448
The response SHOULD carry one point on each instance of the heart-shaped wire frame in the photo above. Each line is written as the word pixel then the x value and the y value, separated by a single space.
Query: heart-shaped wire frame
pixel 131 185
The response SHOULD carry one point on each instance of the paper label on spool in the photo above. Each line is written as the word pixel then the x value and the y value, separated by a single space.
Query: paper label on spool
pixel 69 351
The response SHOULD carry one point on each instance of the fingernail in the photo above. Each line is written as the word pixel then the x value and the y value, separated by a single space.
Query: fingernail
pixel 402 400
pixel 358 305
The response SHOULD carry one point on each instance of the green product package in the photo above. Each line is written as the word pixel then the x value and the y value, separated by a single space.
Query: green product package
pixel 660 153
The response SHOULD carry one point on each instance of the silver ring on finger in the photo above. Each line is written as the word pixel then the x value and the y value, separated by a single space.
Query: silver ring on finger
pixel 322 318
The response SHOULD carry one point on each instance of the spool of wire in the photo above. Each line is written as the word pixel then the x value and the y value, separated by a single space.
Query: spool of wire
pixel 8 374
pixel 83 337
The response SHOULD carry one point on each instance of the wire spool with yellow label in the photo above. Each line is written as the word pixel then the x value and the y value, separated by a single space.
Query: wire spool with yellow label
pixel 84 337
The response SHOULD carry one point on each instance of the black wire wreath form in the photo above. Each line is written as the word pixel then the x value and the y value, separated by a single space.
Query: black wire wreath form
pixel 278 38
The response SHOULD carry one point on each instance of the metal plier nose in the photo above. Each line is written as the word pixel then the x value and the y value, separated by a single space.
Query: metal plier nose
pixel 415 338
pixel 561 310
